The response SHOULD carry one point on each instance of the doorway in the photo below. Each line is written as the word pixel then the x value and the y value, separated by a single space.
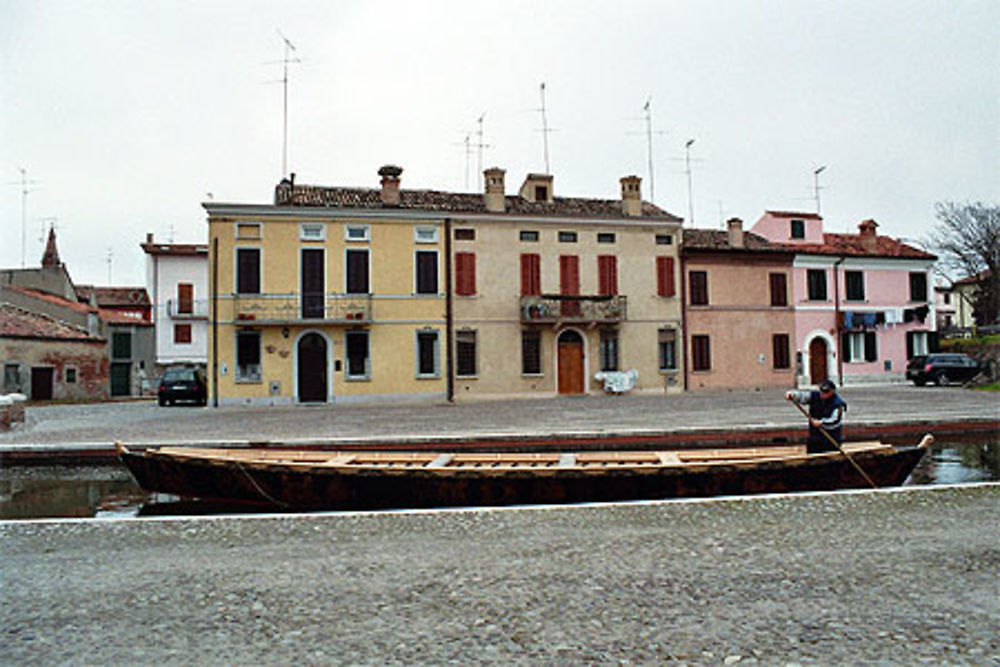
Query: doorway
pixel 571 373
pixel 121 378
pixel 818 370
pixel 41 384
pixel 312 369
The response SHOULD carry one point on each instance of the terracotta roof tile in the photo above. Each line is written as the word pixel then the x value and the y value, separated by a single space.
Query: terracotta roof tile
pixel 17 322
pixel 711 239
pixel 104 314
pixel 795 214
pixel 175 248
pixel 108 297
pixel 851 245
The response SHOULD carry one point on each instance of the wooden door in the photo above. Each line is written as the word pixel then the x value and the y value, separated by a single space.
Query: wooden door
pixel 817 361
pixel 312 283
pixel 571 373
pixel 41 384
pixel 312 369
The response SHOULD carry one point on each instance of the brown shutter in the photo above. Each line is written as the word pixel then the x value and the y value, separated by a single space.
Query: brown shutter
pixel 569 275
pixel 465 273
pixel 665 276
pixel 531 275
pixel 607 274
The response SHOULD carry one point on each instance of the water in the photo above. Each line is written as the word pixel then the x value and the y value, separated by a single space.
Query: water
pixel 101 492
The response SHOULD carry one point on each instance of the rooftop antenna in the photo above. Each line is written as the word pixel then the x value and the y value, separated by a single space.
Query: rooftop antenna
pixel 816 188
pixel 647 117
pixel 110 256
pixel 284 62
pixel 545 128
pixel 687 169
pixel 467 143
pixel 24 183
pixel 722 214
pixel 480 145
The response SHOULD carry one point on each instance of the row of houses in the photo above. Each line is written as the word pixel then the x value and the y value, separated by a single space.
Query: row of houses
pixel 337 294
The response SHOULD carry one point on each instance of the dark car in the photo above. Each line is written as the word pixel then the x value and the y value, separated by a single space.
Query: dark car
pixel 941 369
pixel 182 383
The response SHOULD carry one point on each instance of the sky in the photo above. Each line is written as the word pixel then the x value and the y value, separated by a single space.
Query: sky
pixel 125 116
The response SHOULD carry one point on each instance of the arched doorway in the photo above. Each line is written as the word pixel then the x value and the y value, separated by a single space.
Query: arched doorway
pixel 312 368
pixel 571 375
pixel 818 370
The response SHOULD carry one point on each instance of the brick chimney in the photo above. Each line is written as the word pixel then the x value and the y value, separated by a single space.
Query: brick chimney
pixel 868 235
pixel 736 238
pixel 631 196
pixel 390 184
pixel 494 197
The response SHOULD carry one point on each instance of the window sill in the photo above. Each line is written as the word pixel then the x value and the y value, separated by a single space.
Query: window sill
pixel 533 375
pixel 358 378
pixel 419 378
pixel 466 377
pixel 248 381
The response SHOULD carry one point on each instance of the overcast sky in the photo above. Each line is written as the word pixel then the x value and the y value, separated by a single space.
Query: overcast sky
pixel 126 115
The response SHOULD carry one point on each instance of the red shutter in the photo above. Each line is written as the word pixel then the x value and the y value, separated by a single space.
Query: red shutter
pixel 531 275
pixel 607 275
pixel 569 275
pixel 465 273
pixel 665 276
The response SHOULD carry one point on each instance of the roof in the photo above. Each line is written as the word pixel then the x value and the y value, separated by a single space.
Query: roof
pixel 853 246
pixel 109 316
pixel 456 202
pixel 711 239
pixel 973 280
pixel 114 297
pixel 17 322
pixel 794 214
pixel 175 248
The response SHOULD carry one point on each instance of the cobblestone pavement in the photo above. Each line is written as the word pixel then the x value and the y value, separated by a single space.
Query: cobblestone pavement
pixel 888 578
pixel 145 422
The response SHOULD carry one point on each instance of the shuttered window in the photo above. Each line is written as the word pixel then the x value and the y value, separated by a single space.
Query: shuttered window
pixel 357 272
pixel 465 354
pixel 427 272
pixel 607 275
pixel 698 284
pixel 185 298
pixel 531 353
pixel 779 351
pixel 701 353
pixel 779 289
pixel 665 276
pixel 248 270
pixel 531 274
pixel 465 273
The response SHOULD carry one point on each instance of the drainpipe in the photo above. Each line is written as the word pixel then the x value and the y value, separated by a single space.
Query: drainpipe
pixel 685 335
pixel 215 322
pixel 449 327
pixel 836 323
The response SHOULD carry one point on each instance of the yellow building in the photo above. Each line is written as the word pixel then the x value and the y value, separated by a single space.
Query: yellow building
pixel 344 294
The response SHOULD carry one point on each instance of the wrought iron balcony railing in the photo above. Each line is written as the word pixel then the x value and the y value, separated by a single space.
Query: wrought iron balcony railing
pixel 299 308
pixel 187 310
pixel 556 308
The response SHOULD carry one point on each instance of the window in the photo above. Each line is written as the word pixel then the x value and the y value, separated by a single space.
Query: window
pixel 947 298
pixel 531 275
pixel 664 239
pixel 665 276
pixel 698 283
pixel 531 353
pixel 667 344
pixel 249 230
pixel 918 343
pixel 918 286
pixel 428 355
pixel 465 353
pixel 859 346
pixel 529 236
pixel 185 298
pixel 70 374
pixel 567 237
pixel 182 334
pixel 357 272
pixel 541 193
pixel 465 273
pixel 605 237
pixel 609 351
pixel 357 233
pixel 358 359
pixel 607 275
pixel 12 378
pixel 248 270
pixel 121 345
pixel 425 234
pixel 779 289
pixel 465 234
pixel 569 284
pixel 854 282
pixel 701 353
pixel 248 356
pixel 312 231
pixel 816 284
pixel 798 230
pixel 427 272
pixel 780 352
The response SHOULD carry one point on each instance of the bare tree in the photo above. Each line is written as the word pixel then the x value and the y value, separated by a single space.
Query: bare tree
pixel 967 238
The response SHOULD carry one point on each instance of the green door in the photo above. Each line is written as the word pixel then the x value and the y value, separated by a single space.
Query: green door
pixel 121 373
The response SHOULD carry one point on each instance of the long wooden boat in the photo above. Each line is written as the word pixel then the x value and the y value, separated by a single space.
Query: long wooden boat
pixel 330 480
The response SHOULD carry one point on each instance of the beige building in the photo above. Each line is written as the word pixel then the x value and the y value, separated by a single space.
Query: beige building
pixel 350 294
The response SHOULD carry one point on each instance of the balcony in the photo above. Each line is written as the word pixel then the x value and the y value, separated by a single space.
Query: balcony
pixel 562 309
pixel 284 309
pixel 187 310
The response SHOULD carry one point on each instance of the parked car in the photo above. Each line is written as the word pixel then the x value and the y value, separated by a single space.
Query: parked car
pixel 182 383
pixel 941 369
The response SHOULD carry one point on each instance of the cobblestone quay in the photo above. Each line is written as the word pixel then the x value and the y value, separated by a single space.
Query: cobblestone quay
pixel 899 577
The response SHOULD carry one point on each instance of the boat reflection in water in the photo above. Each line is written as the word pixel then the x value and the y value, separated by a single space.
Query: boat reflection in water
pixel 102 492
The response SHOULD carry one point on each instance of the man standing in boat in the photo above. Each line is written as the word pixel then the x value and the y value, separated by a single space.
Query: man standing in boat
pixel 826 414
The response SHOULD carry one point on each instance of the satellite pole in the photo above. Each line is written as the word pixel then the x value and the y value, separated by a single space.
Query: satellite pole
pixel 687 169
pixel 289 49
pixel 816 187
pixel 545 129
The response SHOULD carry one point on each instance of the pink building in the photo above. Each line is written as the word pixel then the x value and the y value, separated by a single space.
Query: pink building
pixel 864 303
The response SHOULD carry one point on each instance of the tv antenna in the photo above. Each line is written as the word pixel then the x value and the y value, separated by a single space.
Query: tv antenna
pixel 545 128
pixel 687 170
pixel 467 143
pixel 108 260
pixel 25 191
pixel 285 62
pixel 816 186
pixel 647 117
pixel 480 144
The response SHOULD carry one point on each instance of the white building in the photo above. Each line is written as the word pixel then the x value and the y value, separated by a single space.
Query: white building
pixel 177 281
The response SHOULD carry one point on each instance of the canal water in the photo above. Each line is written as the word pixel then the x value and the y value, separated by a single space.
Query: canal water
pixel 101 492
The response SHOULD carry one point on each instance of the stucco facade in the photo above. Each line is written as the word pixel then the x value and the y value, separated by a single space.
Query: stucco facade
pixel 177 280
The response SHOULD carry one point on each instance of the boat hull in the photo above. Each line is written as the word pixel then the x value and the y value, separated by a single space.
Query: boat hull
pixel 295 487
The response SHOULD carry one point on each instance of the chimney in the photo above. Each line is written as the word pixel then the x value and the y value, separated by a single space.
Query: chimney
pixel 390 184
pixel 149 238
pixel 631 196
pixel 735 227
pixel 494 197
pixel 868 235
